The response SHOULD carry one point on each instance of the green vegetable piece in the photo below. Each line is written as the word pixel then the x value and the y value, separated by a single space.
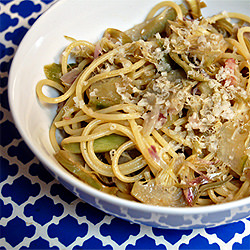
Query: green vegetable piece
pixel 117 36
pixel 155 25
pixel 105 94
pixel 204 88
pixel 100 105
pixel 74 164
pixel 109 142
pixel 72 147
pixel 187 68
pixel 224 25
pixel 155 193
pixel 169 63
pixel 231 145
pixel 53 72
pixel 216 184
pixel 245 168
pixel 211 185
pixel 195 8
pixel 103 144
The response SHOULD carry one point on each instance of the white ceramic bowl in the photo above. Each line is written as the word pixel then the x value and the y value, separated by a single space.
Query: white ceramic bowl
pixel 84 19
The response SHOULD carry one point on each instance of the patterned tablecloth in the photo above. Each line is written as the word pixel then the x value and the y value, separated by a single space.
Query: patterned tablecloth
pixel 37 212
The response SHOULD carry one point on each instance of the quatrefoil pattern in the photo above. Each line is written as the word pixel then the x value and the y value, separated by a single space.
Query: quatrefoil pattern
pixel 37 212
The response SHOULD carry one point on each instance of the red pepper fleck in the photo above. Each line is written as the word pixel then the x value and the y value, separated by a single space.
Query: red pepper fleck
pixel 161 116
pixel 162 119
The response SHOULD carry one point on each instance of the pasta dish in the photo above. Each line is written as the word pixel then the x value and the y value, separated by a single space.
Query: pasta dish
pixel 159 113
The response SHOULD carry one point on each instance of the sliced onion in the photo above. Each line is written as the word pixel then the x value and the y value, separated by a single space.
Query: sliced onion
pixel 151 193
pixel 70 77
pixel 231 146
pixel 151 120
pixel 98 50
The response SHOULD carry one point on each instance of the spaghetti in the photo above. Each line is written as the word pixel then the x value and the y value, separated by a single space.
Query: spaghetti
pixel 159 113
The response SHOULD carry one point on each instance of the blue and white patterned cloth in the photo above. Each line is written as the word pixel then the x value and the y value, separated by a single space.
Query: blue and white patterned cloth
pixel 37 212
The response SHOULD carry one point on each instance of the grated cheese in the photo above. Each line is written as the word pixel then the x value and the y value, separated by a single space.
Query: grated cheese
pixel 208 104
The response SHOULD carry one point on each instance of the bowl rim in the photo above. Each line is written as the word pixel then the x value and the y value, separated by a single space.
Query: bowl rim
pixel 75 182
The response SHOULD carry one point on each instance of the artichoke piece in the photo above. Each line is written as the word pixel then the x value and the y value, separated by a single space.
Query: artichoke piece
pixel 224 25
pixel 53 72
pixel 187 68
pixel 195 8
pixel 205 89
pixel 102 94
pixel 75 164
pixel 246 169
pixel 101 145
pixel 117 36
pixel 197 191
pixel 156 194
pixel 72 147
pixel 176 74
pixel 214 185
pixel 231 146
pixel 162 190
pixel 157 24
